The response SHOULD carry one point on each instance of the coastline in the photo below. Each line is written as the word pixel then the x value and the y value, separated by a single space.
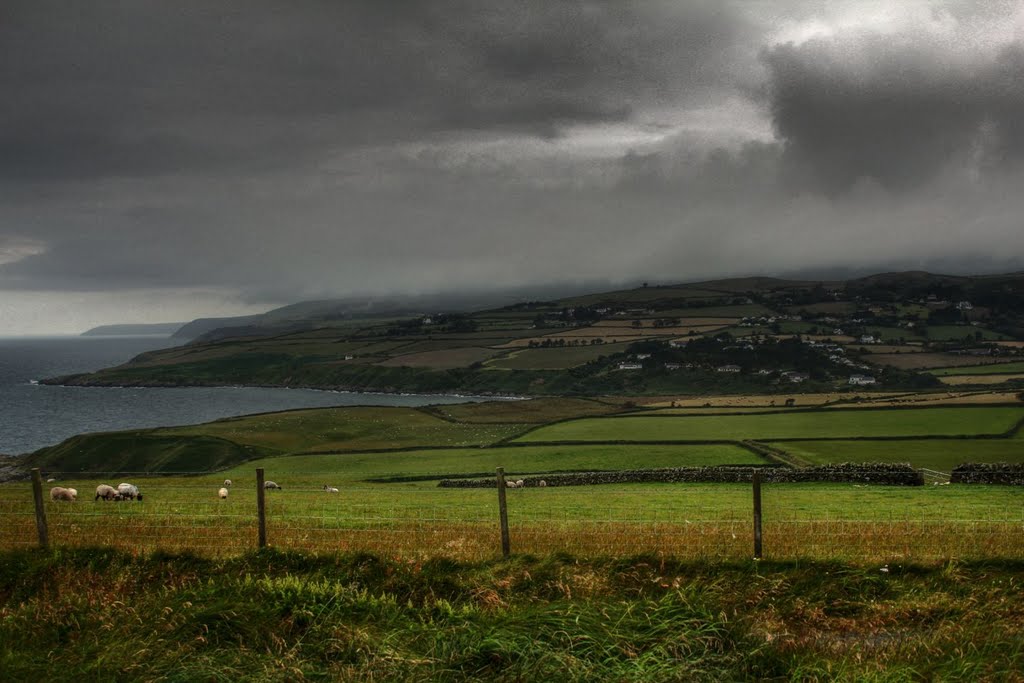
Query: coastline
pixel 336 389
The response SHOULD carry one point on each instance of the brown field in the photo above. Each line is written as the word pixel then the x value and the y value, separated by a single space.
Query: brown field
pixel 1010 344
pixel 950 398
pixel 920 361
pixel 958 380
pixel 440 360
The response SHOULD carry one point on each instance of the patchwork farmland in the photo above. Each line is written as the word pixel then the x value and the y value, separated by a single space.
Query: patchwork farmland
pixel 387 462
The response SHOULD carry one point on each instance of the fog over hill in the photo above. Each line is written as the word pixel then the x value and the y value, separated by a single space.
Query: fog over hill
pixel 209 158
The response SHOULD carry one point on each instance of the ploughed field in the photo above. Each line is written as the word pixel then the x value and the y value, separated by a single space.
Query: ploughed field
pixel 388 500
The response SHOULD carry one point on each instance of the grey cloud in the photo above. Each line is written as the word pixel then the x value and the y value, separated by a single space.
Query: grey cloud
pixel 893 110
pixel 281 151
pixel 122 89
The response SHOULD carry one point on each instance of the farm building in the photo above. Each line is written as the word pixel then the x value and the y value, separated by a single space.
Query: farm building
pixel 631 366
pixel 727 368
pixel 862 379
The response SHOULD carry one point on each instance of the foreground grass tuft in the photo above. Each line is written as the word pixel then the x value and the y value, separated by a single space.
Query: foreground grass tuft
pixel 274 615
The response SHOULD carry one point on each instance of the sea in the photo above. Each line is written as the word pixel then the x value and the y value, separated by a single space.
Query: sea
pixel 35 415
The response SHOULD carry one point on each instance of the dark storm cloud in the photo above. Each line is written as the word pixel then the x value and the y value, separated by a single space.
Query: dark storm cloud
pixel 892 110
pixel 286 150
pixel 113 88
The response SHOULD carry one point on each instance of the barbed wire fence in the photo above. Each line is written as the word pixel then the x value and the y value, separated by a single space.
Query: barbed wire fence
pixel 185 513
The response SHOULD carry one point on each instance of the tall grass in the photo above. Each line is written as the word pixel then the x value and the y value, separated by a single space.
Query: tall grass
pixel 274 616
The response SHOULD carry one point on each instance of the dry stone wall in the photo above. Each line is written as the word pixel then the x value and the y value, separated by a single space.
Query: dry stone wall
pixel 880 473
pixel 1004 473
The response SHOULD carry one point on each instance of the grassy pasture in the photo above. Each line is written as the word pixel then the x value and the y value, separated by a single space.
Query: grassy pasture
pixel 935 454
pixel 351 468
pixel 537 411
pixel 924 361
pixel 767 400
pixel 445 359
pixel 959 380
pixel 955 332
pixel 796 424
pixel 629 332
pixel 732 311
pixel 684 321
pixel 689 521
pixel 348 429
pixel 554 358
pixel 997 369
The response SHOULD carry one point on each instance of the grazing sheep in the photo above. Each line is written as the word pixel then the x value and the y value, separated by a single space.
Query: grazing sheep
pixel 107 492
pixel 227 483
pixel 129 491
pixel 223 493
pixel 542 483
pixel 51 479
pixel 330 489
pixel 271 485
pixel 74 492
pixel 511 485
pixel 519 483
pixel 61 493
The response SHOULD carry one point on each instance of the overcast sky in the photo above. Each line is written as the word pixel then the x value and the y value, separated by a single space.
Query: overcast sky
pixel 167 160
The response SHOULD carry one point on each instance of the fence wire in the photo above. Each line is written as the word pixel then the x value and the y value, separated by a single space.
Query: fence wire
pixel 689 521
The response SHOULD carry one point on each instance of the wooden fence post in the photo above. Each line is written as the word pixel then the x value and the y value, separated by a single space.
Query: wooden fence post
pixel 261 508
pixel 503 513
pixel 757 514
pixel 37 493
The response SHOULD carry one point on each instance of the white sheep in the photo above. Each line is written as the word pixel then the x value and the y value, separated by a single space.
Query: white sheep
pixel 74 492
pixel 511 485
pixel 520 484
pixel 129 491
pixel 271 485
pixel 61 493
pixel 542 483
pixel 330 489
pixel 227 483
pixel 107 492
pixel 51 479
pixel 223 493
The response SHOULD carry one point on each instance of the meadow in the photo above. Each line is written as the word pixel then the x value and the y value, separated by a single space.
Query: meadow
pixel 779 426
pixel 996 369
pixel 935 454
pixel 386 463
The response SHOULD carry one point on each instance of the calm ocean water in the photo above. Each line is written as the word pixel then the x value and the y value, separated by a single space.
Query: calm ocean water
pixel 34 415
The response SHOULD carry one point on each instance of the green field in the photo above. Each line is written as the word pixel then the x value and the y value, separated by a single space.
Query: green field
pixel 957 332
pixel 802 424
pixel 935 454
pixel 329 429
pixel 996 369
pixel 516 460
pixel 556 358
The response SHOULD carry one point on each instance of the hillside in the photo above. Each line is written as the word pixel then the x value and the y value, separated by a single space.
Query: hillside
pixel 162 329
pixel 742 336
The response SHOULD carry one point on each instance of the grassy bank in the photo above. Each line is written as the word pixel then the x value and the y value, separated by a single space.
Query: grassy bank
pixel 276 617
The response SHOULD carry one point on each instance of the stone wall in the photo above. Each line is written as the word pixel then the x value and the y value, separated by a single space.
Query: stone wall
pixel 879 473
pixel 988 473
